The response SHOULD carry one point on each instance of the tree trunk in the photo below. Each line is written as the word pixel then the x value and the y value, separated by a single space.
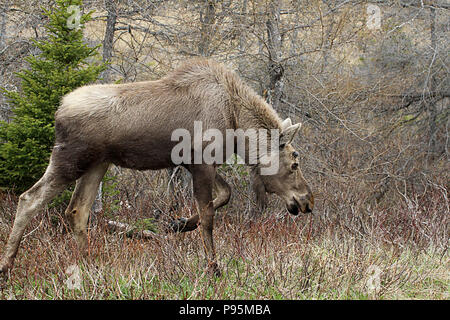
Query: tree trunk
pixel 108 45
pixel 206 31
pixel 3 21
pixel 275 68
pixel 432 85
pixel 108 41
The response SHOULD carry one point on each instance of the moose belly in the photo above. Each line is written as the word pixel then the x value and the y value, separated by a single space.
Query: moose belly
pixel 141 154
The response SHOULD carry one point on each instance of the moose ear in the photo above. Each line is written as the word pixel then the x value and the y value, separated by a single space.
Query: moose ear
pixel 288 134
pixel 286 124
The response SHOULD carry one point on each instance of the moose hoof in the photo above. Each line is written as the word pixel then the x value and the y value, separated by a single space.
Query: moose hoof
pixel 4 267
pixel 183 225
pixel 213 269
pixel 178 225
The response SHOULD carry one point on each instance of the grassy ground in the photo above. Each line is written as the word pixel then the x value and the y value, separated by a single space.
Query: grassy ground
pixel 397 253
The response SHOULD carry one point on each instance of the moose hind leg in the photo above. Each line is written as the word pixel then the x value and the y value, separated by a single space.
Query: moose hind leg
pixel 30 203
pixel 222 193
pixel 82 199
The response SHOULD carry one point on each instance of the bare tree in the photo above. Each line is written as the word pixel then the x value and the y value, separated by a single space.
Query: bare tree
pixel 274 48
pixel 108 41
pixel 207 19
pixel 3 20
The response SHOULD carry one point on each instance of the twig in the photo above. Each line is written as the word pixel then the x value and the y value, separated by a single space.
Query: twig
pixel 131 231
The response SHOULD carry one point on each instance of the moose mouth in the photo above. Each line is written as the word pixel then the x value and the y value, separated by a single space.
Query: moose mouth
pixel 295 207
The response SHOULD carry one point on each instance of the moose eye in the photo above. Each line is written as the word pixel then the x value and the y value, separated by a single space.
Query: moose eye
pixel 294 166
pixel 295 154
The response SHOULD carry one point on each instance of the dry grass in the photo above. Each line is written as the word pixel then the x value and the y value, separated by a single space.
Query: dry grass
pixel 337 253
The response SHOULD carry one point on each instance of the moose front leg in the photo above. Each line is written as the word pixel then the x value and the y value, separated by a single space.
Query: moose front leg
pixel 203 179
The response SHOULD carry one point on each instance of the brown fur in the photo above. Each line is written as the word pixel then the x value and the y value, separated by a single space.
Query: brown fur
pixel 130 125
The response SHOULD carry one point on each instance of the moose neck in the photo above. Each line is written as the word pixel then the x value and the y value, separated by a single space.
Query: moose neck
pixel 256 117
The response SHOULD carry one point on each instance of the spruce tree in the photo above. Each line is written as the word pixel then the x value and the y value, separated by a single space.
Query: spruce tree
pixel 64 63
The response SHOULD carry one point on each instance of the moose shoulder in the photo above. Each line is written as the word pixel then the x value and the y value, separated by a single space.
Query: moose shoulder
pixel 131 125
